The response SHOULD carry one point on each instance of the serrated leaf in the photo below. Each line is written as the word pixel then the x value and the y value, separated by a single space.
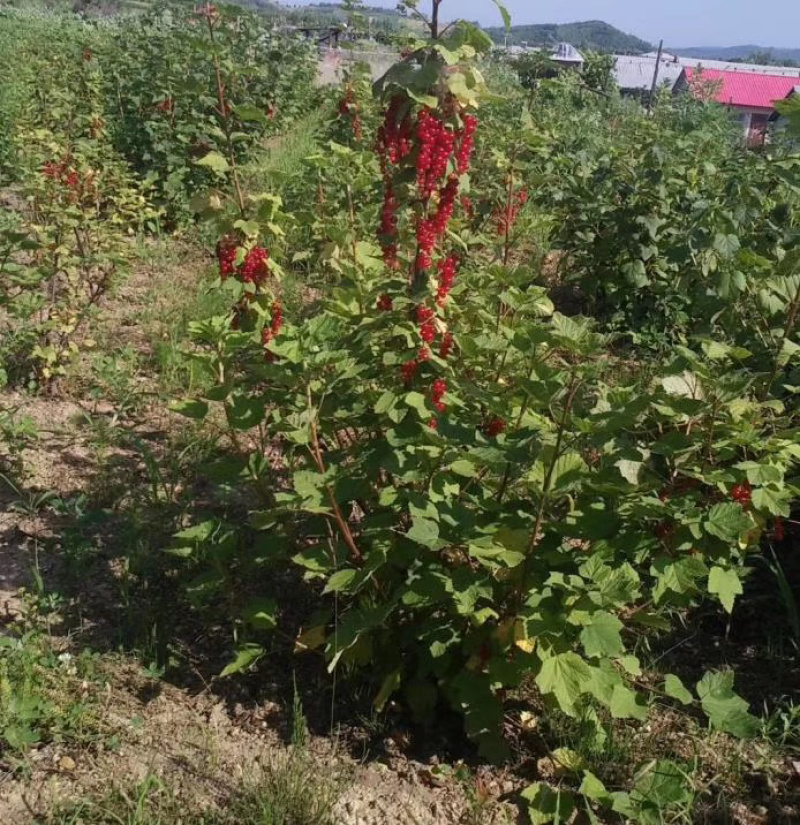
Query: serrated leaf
pixel 629 470
pixel 198 533
pixel 190 407
pixel 725 584
pixel 244 413
pixel 385 403
pixel 245 657
pixel 339 581
pixel 546 805
pixel 565 676
pixel 727 521
pixel 661 784
pixel 675 688
pixel 214 161
pixel 249 113
pixel 725 710
pixel 424 532
pixel 261 614
pixel 464 468
pixel 592 788
pixel 602 636
pixel 624 704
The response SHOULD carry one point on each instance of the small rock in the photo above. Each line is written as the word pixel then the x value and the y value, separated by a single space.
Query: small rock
pixel 66 764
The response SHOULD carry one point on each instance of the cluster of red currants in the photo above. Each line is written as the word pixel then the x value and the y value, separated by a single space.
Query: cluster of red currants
pixel 494 427
pixel 448 268
pixel 436 143
pixel 438 146
pixel 166 106
pixel 61 172
pixel 433 151
pixel 506 217
pixel 76 187
pixel 271 330
pixel 465 147
pixel 388 227
pixel 254 268
pixel 432 229
pixel 348 108
pixel 742 493
pixel 394 142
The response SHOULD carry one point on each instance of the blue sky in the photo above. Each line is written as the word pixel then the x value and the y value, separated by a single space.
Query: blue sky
pixel 679 22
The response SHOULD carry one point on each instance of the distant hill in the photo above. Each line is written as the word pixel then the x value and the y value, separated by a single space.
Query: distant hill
pixel 739 53
pixel 325 14
pixel 594 35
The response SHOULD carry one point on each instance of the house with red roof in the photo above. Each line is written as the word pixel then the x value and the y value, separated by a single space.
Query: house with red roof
pixel 751 96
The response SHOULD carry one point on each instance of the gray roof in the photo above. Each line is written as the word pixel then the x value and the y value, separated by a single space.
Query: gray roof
pixel 750 68
pixel 636 73
pixel 566 53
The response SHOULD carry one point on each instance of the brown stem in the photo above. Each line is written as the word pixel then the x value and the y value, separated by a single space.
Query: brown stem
pixel 435 19
pixel 352 214
pixel 548 479
pixel 788 331
pixel 523 409
pixel 341 522
pixel 226 125
pixel 562 426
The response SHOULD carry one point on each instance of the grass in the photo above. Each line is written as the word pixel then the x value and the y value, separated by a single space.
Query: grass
pixel 290 790
pixel 282 157
pixel 45 696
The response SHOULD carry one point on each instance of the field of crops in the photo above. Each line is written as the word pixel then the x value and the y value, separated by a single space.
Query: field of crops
pixel 417 452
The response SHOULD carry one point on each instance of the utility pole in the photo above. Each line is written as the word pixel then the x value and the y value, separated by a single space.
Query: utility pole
pixel 655 77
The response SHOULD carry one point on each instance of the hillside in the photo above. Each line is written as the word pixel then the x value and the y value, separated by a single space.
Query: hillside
pixel 739 53
pixel 590 34
pixel 324 14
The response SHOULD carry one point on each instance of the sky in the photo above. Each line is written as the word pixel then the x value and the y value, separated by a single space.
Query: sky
pixel 680 22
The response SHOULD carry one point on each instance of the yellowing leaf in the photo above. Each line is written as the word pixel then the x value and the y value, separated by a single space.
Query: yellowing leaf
pixel 310 639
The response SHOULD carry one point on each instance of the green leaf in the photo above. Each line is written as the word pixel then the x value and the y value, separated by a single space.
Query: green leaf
pixel 624 704
pixel 546 805
pixel 727 521
pixel 198 533
pixel 246 656
pixel 565 676
pixel 416 400
pixel 661 784
pixel 385 403
pixel 261 614
pixel 726 245
pixel 725 710
pixel 424 532
pixel 216 162
pixel 675 688
pixel 390 684
pixel 244 413
pixel 602 636
pixel 776 502
pixel 191 408
pixel 339 581
pixel 592 788
pixel 464 468
pixel 504 13
pixel 725 584
pixel 249 113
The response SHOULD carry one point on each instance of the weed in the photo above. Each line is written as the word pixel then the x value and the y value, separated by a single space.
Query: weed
pixel 45 695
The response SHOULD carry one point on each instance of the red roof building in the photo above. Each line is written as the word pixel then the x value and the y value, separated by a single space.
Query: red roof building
pixel 752 96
